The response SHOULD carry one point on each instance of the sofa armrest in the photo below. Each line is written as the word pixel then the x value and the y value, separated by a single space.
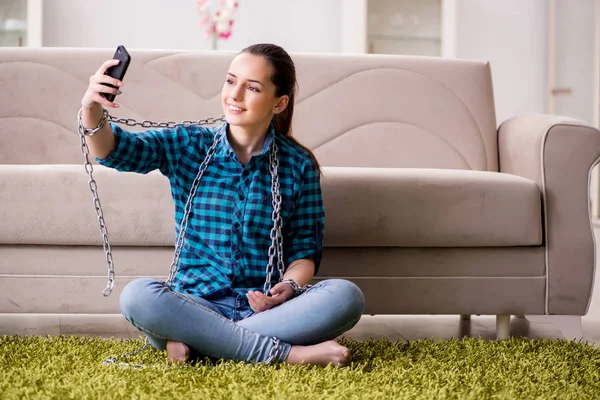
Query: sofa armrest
pixel 558 154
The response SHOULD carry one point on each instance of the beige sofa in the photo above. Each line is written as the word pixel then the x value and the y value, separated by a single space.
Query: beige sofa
pixel 430 208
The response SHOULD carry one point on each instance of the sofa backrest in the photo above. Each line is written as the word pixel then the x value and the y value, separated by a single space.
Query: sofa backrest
pixel 352 110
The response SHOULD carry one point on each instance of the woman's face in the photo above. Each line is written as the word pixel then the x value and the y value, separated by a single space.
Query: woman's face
pixel 248 95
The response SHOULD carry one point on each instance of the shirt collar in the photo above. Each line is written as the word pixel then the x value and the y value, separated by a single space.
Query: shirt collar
pixel 226 148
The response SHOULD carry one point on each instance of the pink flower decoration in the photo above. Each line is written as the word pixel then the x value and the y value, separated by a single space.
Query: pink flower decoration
pixel 221 21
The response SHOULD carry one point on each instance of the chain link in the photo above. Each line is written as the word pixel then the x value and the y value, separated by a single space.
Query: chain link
pixel 274 352
pixel 113 360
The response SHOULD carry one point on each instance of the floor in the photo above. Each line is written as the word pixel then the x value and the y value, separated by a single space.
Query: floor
pixel 404 327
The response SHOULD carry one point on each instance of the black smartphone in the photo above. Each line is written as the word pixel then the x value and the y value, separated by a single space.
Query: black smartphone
pixel 117 71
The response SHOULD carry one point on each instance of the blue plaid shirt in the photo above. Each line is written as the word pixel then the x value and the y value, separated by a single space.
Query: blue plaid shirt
pixel 226 243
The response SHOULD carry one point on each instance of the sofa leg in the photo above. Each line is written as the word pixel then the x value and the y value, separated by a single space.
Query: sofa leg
pixel 502 327
pixel 465 317
pixel 569 325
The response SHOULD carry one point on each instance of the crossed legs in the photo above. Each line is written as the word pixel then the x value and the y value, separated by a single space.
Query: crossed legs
pixel 299 330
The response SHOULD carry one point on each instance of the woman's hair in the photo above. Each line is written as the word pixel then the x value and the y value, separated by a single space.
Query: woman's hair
pixel 283 76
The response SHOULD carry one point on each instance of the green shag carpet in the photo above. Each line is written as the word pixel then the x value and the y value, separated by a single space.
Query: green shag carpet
pixel 72 368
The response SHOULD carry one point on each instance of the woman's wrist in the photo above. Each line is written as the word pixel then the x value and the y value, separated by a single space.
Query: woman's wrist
pixel 298 289
pixel 90 131
pixel 91 114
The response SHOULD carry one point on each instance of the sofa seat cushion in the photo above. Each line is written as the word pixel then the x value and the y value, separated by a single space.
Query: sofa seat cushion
pixel 52 205
pixel 430 208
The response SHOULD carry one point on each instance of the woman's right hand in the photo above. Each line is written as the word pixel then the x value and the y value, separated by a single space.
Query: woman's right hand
pixel 92 96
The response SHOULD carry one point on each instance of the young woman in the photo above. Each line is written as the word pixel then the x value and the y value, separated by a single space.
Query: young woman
pixel 245 181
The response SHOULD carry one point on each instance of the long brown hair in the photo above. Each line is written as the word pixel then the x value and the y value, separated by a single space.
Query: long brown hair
pixel 283 76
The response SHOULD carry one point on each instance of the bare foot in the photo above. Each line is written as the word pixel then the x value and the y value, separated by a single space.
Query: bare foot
pixel 177 351
pixel 320 354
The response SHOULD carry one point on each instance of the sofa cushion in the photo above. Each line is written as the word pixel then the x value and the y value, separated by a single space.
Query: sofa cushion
pixel 430 207
pixel 52 204
pixel 348 108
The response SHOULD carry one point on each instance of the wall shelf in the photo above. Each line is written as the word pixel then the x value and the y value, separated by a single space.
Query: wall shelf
pixel 407 27
pixel 13 31
pixel 388 36
pixel 17 13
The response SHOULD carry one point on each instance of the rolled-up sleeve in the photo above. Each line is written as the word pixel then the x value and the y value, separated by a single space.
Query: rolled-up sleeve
pixel 146 151
pixel 303 234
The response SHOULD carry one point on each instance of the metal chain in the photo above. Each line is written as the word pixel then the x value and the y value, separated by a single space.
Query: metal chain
pixel 187 209
pixel 276 235
pixel 113 360
pixel 275 350
pixel 150 124
pixel 94 188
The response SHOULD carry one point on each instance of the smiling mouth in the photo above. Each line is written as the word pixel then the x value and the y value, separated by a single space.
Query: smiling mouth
pixel 234 108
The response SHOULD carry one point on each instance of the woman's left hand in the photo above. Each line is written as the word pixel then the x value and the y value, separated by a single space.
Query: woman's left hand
pixel 281 293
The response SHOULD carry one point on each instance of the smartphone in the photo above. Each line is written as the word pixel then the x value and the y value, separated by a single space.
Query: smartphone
pixel 117 71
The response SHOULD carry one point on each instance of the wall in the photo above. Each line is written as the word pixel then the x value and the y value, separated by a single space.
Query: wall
pixel 299 26
pixel 512 36
pixel 574 59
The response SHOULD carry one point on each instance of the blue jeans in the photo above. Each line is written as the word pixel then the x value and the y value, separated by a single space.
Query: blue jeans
pixel 228 328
